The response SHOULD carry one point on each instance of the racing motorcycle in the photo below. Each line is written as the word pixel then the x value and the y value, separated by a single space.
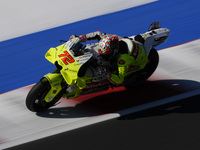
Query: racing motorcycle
pixel 73 63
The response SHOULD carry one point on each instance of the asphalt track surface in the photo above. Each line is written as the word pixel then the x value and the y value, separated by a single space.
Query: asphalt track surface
pixel 173 126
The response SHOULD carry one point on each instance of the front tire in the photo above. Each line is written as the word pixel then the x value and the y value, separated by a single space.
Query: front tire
pixel 35 99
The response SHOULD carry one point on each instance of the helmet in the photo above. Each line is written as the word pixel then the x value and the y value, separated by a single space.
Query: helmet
pixel 108 46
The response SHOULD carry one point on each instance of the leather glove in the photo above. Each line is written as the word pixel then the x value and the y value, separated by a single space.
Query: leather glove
pixel 82 37
pixel 73 36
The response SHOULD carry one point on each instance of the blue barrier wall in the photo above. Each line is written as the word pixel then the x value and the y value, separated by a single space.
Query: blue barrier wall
pixel 22 59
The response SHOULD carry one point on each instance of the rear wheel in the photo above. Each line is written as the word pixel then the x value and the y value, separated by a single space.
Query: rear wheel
pixel 142 75
pixel 35 99
pixel 151 65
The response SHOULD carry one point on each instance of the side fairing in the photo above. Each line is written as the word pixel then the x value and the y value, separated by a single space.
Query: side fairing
pixel 66 59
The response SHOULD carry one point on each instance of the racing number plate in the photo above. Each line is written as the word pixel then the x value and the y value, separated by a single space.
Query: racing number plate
pixel 67 58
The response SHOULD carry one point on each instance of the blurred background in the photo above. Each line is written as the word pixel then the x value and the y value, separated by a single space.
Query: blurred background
pixel 29 28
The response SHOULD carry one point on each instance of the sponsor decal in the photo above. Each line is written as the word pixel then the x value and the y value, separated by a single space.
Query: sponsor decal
pixel 134 52
pixel 54 91
pixel 70 70
pixel 56 84
pixel 96 84
pixel 49 98
pixel 121 62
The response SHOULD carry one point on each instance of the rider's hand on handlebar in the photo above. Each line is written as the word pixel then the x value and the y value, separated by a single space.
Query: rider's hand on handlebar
pixel 82 37
pixel 73 36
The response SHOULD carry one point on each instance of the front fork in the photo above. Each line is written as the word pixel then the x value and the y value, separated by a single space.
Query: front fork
pixel 56 82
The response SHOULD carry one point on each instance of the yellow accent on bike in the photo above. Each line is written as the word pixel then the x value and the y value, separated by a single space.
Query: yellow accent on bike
pixel 55 80
pixel 66 60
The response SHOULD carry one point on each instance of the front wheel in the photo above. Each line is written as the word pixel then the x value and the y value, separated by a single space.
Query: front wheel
pixel 35 99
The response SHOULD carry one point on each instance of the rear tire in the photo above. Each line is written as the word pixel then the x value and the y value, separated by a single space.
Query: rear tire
pixel 142 75
pixel 152 64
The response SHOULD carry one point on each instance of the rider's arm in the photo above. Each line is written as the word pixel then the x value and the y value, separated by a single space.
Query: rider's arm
pixel 90 36
pixel 93 36
pixel 123 63
pixel 118 79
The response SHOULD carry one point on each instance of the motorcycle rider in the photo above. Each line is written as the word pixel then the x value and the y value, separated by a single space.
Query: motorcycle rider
pixel 126 55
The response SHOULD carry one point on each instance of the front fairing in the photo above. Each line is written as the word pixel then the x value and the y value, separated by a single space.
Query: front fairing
pixel 69 63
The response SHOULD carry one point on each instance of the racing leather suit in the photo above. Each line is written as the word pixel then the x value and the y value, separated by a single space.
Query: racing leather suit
pixel 132 56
